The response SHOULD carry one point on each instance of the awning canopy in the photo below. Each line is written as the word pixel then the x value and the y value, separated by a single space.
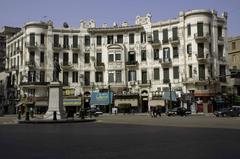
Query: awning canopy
pixel 72 102
pixel 155 103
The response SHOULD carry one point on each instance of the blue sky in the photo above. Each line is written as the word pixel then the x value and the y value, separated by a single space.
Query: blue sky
pixel 17 12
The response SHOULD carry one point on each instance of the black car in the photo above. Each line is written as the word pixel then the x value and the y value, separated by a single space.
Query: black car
pixel 231 111
pixel 178 111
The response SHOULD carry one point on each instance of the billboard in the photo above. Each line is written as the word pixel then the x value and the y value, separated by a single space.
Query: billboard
pixel 98 98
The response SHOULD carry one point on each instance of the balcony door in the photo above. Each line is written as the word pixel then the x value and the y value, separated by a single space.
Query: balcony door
pixel 144 77
pixel 65 58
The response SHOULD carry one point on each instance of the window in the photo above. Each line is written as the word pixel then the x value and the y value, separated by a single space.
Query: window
pixel 156 74
pixel 220 52
pixel 233 45
pixel 190 71
pixel 189 29
pixel 175 52
pixel 110 39
pixel 175 33
pixel 56 40
pixel 65 78
pixel 74 77
pixel 31 76
pixel 120 39
pixel 201 71
pixel 87 58
pixel 65 58
pixel 65 42
pixel 143 37
pixel 32 39
pixel 32 56
pixel 41 57
pixel 42 76
pixel 165 36
pixel 200 50
pixel 42 38
pixel 165 75
pixel 75 58
pixel 87 40
pixel 222 70
pixel 98 77
pixel 166 53
pixel 86 78
pixel 219 31
pixel 99 58
pixel 118 76
pixel 99 40
pixel 200 28
pixel 56 56
pixel 143 55
pixel 117 57
pixel 75 41
pixel 111 77
pixel 131 57
pixel 155 36
pixel 144 76
pixel 176 72
pixel 110 58
pixel 156 54
pixel 132 75
pixel 131 38
pixel 189 49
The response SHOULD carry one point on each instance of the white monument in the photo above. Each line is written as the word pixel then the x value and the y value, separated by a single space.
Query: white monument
pixel 55 96
pixel 55 103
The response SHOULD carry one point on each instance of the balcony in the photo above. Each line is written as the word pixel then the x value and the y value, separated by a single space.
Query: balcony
pixel 31 45
pixel 235 81
pixel 156 43
pixel 174 41
pixel 221 58
pixel 165 41
pixel 66 47
pixel 165 61
pixel 223 79
pixel 57 47
pixel 100 66
pixel 220 38
pixel 75 47
pixel 34 84
pixel 202 57
pixel 131 64
pixel 201 37
pixel 202 81
pixel 67 66
pixel 144 83
pixel 30 64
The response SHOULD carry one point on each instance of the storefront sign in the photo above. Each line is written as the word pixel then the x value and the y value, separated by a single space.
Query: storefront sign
pixel 101 98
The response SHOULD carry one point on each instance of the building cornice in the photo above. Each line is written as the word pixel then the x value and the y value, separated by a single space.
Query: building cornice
pixel 115 29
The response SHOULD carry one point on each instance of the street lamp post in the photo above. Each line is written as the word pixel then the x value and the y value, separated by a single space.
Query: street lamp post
pixel 170 91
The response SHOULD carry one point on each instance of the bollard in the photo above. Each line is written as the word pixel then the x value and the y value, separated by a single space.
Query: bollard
pixel 27 116
pixel 54 115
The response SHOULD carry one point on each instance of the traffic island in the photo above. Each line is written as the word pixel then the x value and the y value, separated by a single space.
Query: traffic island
pixel 46 121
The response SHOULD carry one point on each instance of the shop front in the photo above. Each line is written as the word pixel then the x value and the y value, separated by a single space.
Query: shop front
pixel 127 103
pixel 102 100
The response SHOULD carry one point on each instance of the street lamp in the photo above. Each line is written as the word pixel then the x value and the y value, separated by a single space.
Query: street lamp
pixel 170 91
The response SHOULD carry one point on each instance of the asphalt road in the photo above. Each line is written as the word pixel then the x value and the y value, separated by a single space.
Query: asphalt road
pixel 116 141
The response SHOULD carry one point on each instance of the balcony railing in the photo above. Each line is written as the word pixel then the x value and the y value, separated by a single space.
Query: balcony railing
pixel 202 57
pixel 131 63
pixel 165 61
pixel 174 41
pixel 166 80
pixel 31 45
pixel 165 41
pixel 144 83
pixel 66 65
pixel 201 37
pixel 57 47
pixel 30 64
pixel 99 65
pixel 66 47
pixel 220 38
pixel 156 43
pixel 75 47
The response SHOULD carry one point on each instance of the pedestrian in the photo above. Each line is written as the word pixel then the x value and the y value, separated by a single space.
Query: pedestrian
pixel 158 112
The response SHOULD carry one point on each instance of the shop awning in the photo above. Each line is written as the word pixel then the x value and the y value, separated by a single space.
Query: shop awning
pixel 72 102
pixel 133 102
pixel 155 103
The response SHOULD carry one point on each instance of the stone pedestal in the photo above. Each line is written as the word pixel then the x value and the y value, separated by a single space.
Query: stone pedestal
pixel 55 103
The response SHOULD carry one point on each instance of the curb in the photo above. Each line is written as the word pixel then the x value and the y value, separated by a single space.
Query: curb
pixel 55 121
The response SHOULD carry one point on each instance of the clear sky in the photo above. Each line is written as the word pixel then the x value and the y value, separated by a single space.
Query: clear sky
pixel 17 12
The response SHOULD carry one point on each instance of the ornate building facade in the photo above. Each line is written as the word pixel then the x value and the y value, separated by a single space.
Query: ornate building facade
pixel 188 52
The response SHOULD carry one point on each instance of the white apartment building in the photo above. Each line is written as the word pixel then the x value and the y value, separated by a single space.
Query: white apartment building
pixel 188 51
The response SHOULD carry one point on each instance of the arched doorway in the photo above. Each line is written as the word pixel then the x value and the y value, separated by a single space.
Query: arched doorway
pixel 144 101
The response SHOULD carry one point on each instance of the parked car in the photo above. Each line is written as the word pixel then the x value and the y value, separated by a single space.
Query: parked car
pixel 178 111
pixel 95 112
pixel 231 111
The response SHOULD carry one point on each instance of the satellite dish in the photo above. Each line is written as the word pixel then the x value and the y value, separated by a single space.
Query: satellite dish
pixel 65 25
